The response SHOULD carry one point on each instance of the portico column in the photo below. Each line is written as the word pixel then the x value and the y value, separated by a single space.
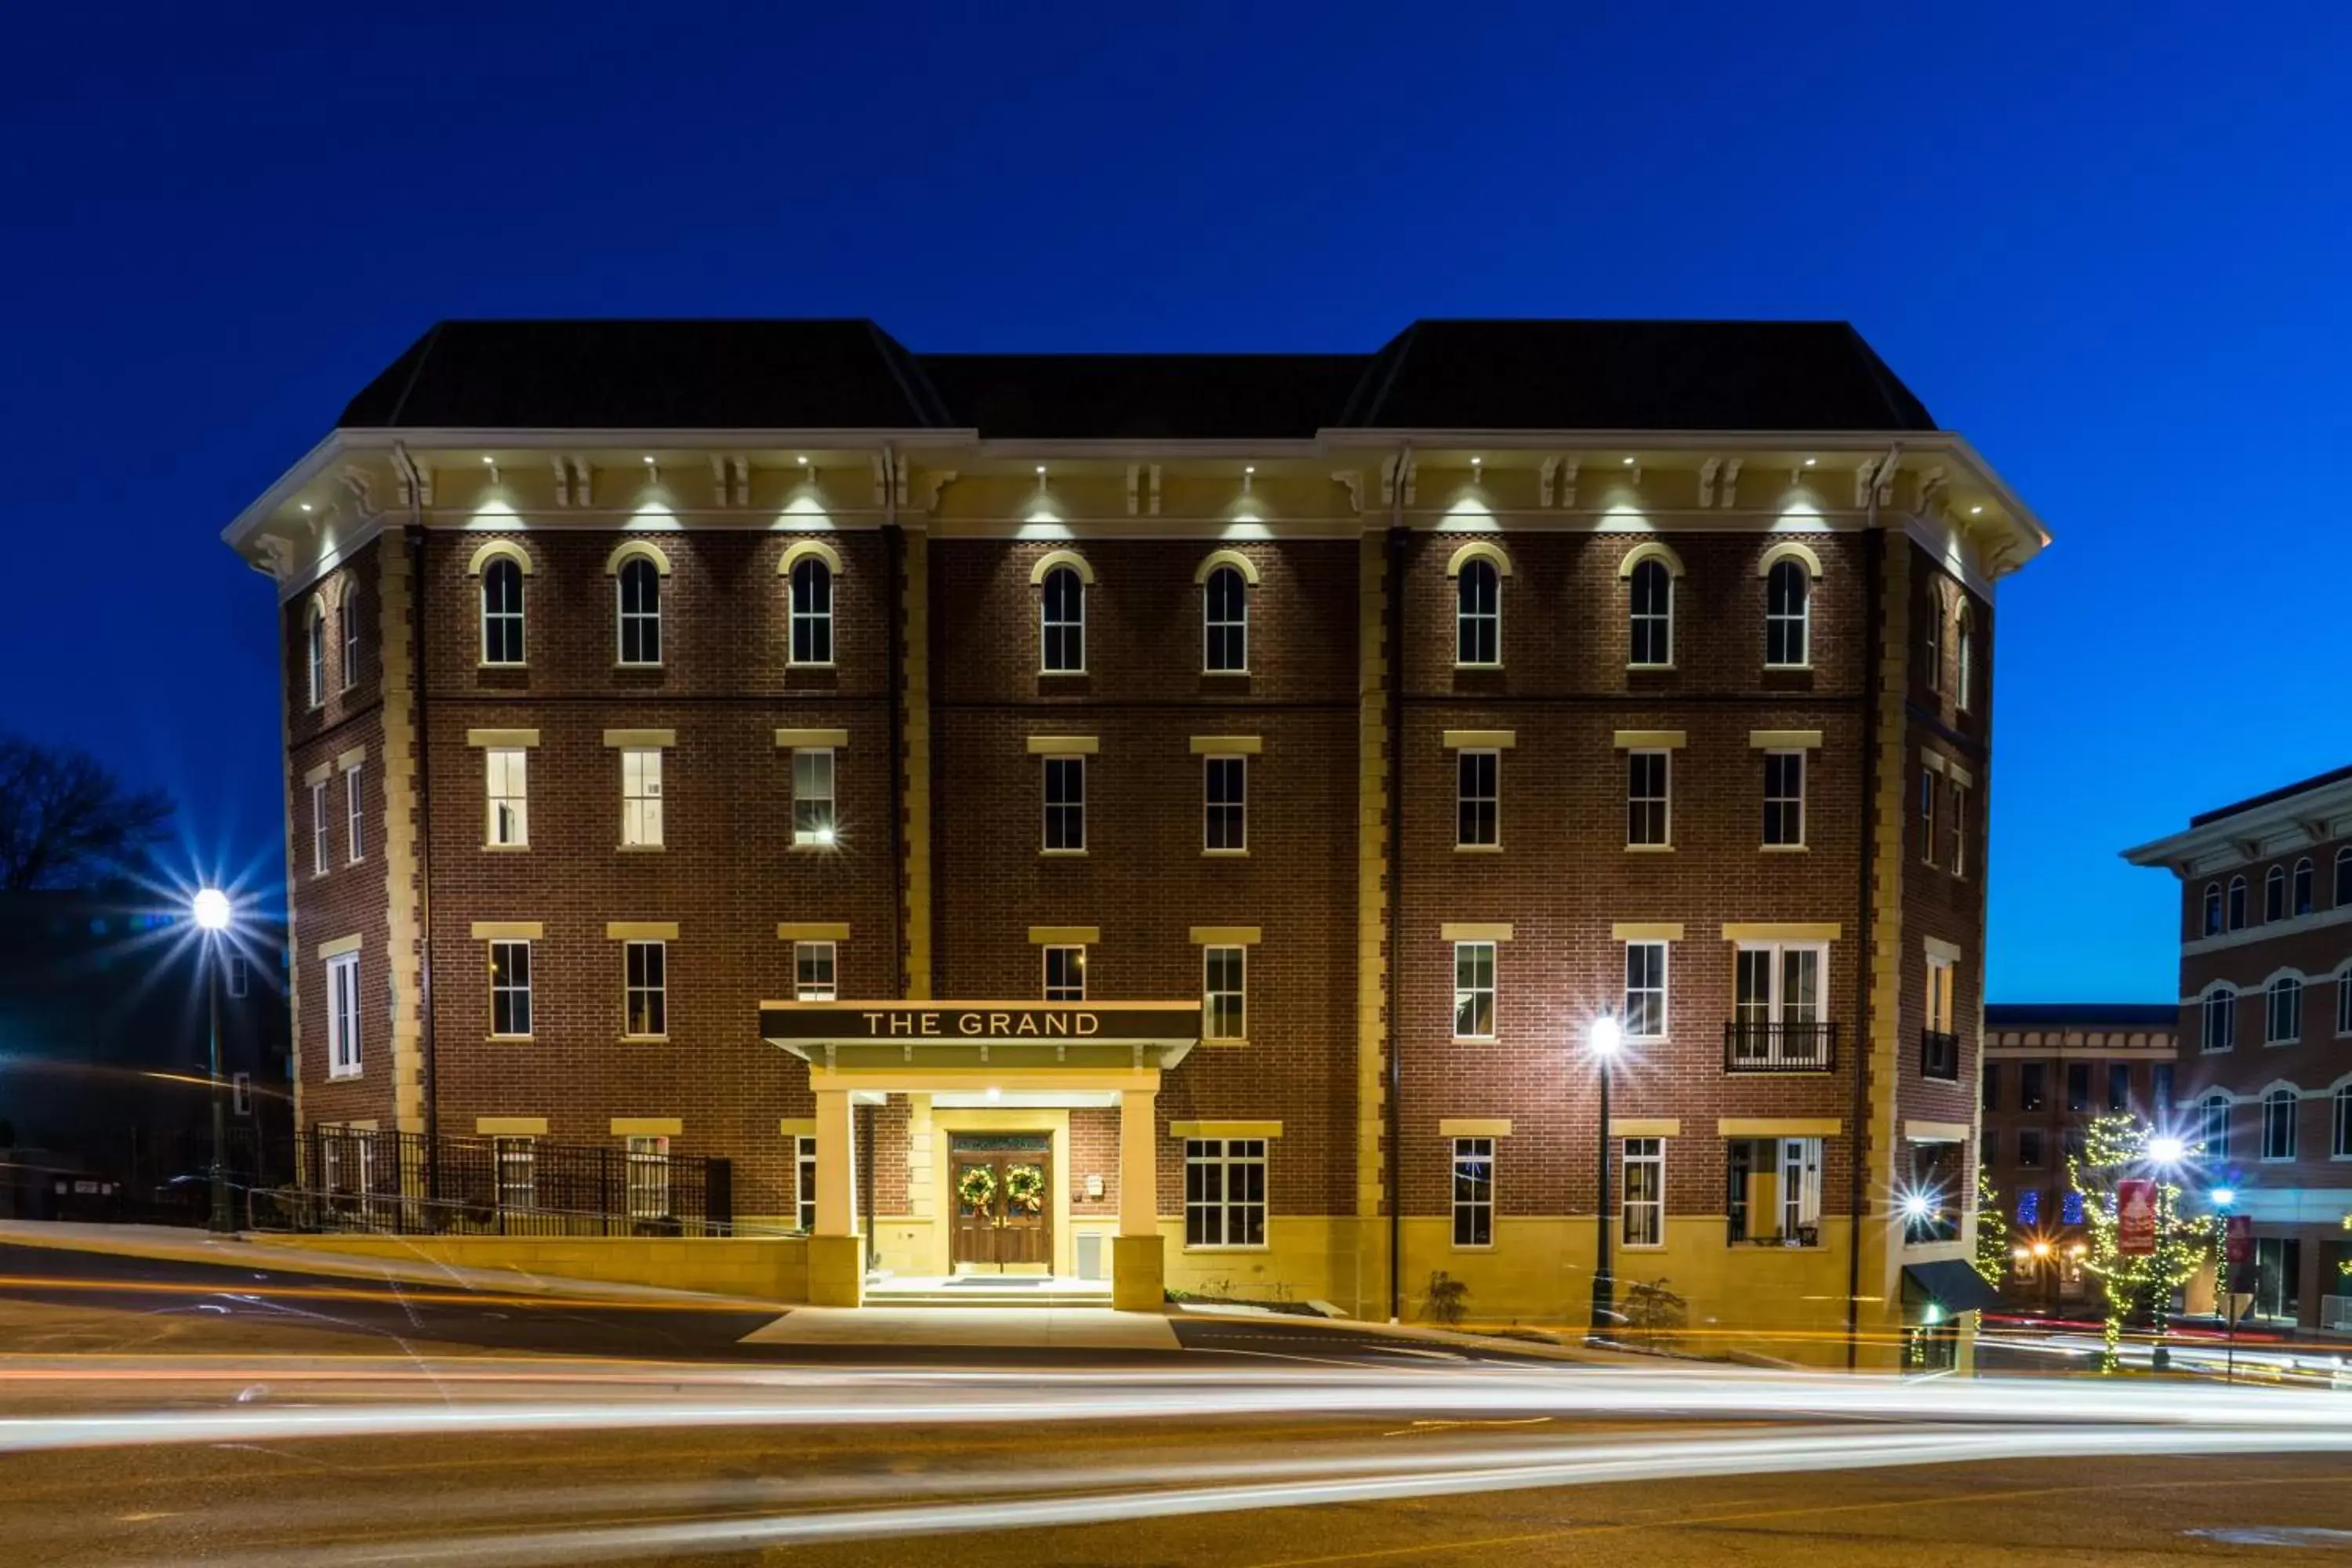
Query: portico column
pixel 836 1254
pixel 1138 1281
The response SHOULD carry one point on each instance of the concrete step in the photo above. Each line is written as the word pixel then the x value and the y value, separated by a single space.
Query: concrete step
pixel 1030 1296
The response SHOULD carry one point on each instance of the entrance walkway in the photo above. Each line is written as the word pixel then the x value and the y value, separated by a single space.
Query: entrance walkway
pixel 1054 1326
pixel 1028 1290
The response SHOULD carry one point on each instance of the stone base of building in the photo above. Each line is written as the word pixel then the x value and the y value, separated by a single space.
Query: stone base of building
pixel 836 1271
pixel 1138 1273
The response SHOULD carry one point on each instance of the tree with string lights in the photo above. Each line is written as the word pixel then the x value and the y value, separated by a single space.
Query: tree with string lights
pixel 2138 1287
pixel 1992 1231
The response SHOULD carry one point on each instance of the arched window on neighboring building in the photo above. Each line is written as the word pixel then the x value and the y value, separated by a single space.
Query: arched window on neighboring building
pixel 1653 611
pixel 2340 1145
pixel 1062 622
pixel 812 611
pixel 2299 897
pixel 502 640
pixel 2274 894
pixel 1937 613
pixel 2283 1011
pixel 638 584
pixel 2237 903
pixel 2343 877
pixel 2213 909
pixel 1964 681
pixel 2278 1123
pixel 314 633
pixel 1788 614
pixel 1478 613
pixel 2214 1127
pixel 1225 622
pixel 2219 1031
pixel 2344 999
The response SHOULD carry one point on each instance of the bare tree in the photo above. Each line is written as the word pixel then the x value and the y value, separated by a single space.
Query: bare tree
pixel 66 819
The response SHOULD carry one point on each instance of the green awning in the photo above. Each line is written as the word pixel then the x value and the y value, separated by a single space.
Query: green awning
pixel 1952 1285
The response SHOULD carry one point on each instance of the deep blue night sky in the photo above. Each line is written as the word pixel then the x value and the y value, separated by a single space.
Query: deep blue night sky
pixel 2108 246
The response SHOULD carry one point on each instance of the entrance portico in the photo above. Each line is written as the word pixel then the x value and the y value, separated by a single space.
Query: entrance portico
pixel 985 1053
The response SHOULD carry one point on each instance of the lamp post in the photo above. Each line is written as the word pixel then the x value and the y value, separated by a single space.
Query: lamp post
pixel 211 908
pixel 1604 1037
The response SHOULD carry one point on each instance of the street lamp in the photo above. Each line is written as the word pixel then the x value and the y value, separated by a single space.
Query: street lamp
pixel 212 911
pixel 1604 1037
pixel 2165 1148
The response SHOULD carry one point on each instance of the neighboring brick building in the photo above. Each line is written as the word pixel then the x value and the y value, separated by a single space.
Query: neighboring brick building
pixel 2265 1078
pixel 1332 738
pixel 2050 1070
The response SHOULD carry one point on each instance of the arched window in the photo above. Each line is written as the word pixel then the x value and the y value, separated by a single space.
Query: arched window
pixel 1964 686
pixel 2343 877
pixel 638 583
pixel 503 611
pixel 2340 1146
pixel 1788 614
pixel 2274 894
pixel 2344 999
pixel 2278 1123
pixel 2299 900
pixel 2213 909
pixel 2237 903
pixel 1225 622
pixel 349 613
pixel 1652 607
pixel 2283 1012
pixel 812 611
pixel 315 639
pixel 1062 622
pixel 1478 613
pixel 2214 1127
pixel 2220 1026
pixel 1937 613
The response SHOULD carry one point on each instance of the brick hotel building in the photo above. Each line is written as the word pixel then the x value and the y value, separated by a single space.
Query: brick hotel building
pixel 1230 785
pixel 2265 1074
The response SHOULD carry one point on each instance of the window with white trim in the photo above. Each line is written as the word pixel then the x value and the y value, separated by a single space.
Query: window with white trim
pixel 2214 1127
pixel 815 815
pixel 641 797
pixel 1784 799
pixel 503 611
pixel 1643 1014
pixel 1065 805
pixel 1224 805
pixel 511 989
pixel 648 1158
pixel 1478 614
pixel 2213 909
pixel 1062 622
pixel 2220 1015
pixel 1474 1191
pixel 1225 622
pixel 1066 973
pixel 644 989
pixel 314 633
pixel 1643 1209
pixel 2344 1000
pixel 813 971
pixel 517 1171
pixel 1788 614
pixel 237 980
pixel 637 589
pixel 812 612
pixel 1960 828
pixel 2299 900
pixel 1936 610
pixel 804 1181
pixel 1474 990
pixel 1939 1051
pixel 2340 1146
pixel 1649 799
pixel 1652 615
pixel 1776 1008
pixel 505 772
pixel 319 833
pixel 1927 843
pixel 2279 1107
pixel 349 612
pixel 1224 1191
pixel 2274 894
pixel 1478 798
pixel 1964 661
pixel 2282 1012
pixel 1225 1011
pixel 353 805
pixel 2237 903
pixel 344 1015
pixel 1790 1171
pixel 2344 878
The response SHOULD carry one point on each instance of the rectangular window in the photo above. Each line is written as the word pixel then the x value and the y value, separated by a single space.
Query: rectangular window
pixel 1990 1098
pixel 1224 805
pixel 344 1015
pixel 641 797
pixel 1224 1191
pixel 2278 1277
pixel 1066 973
pixel 2282 1012
pixel 2118 1086
pixel 1643 1221
pixel 1927 845
pixel 804 1181
pixel 2031 1080
pixel 1223 1010
pixel 1474 990
pixel 1774 1191
pixel 1478 799
pixel 648 1177
pixel 2078 1087
pixel 350 617
pixel 518 1164
pixel 2029 1148
pixel 812 804
pixel 240 1093
pixel 2071 1142
pixel 1784 798
pixel 645 966
pixel 813 971
pixel 1960 828
pixel 1644 1017
pixel 238 978
pixel 1474 1191
pixel 1939 1046
pixel 1933 1191
pixel 505 772
pixel 1066 806
pixel 1649 819
pixel 511 989
pixel 2159 1088
pixel 319 828
pixel 357 823
pixel 1776 1010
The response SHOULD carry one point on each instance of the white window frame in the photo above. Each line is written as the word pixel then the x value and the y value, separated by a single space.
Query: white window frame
pixel 1471 1210
pixel 1227 1158
pixel 1938 610
pixel 494 571
pixel 640 569
pixel 2210 920
pixel 1639 800
pixel 1066 767
pixel 805 1181
pixel 1641 1220
pixel 515 1168
pixel 1930 855
pixel 2283 994
pixel 1784 801
pixel 818 620
pixel 354 806
pixel 1211 995
pixel 1662 621
pixel 2217 1029
pixel 1959 830
pixel 2340 1138
pixel 314 638
pixel 1477 569
pixel 2302 890
pixel 1236 627
pixel 506 783
pixel 2214 1114
pixel 1476 980
pixel 1071 957
pixel 1963 664
pixel 319 835
pixel 816 972
pixel 237 976
pixel 647 979
pixel 1635 1010
pixel 344 1015
pixel 1072 626
pixel 1233 813
pixel 2237 912
pixel 642 824
pixel 1779 1011
pixel 2344 1001
pixel 501 972
pixel 2274 905
pixel 648 1176
pixel 1471 793
pixel 816 806
pixel 350 623
pixel 2272 1099
pixel 1798 1176
pixel 1799 621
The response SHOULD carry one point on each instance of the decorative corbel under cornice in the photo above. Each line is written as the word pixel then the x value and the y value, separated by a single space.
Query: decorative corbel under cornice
pixel 1567 470
pixel 1352 482
pixel 1728 496
pixel 1134 479
pixel 1153 475
pixel 361 484
pixel 1706 472
pixel 936 481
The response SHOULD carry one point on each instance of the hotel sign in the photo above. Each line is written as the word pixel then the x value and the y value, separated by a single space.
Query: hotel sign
pixel 903 1022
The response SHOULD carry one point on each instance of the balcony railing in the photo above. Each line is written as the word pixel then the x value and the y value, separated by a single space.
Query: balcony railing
pixel 1778 1047
pixel 1940 1055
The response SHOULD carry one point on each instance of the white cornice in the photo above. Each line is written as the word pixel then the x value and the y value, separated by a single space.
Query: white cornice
pixel 2292 822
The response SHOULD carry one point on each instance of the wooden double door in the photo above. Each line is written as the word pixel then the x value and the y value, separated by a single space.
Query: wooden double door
pixel 1001 1186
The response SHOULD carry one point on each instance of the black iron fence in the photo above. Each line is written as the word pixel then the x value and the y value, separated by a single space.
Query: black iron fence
pixel 408 1184
pixel 1755 1046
